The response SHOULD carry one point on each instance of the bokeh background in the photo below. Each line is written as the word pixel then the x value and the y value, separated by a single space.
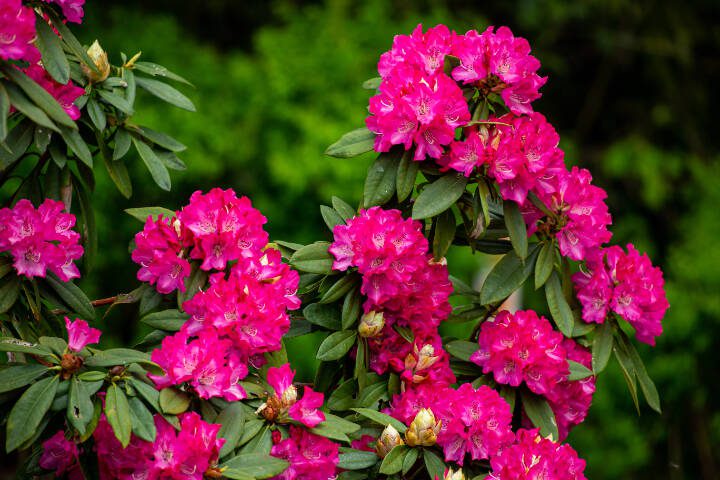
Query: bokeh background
pixel 630 91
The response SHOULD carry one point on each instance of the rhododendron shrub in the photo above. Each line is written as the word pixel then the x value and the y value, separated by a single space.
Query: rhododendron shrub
pixel 464 162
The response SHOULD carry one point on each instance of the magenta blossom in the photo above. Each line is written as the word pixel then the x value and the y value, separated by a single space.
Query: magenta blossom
pixel 80 334
pixel 66 95
pixel 306 410
pixel 72 10
pixel 159 252
pixel 17 32
pixel 311 456
pixel 61 456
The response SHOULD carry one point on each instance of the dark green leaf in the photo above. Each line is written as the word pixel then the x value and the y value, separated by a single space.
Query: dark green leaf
pixel 97 114
pixel 646 384
pixel 8 344
pixel 393 461
pixel 170 160
pixel 540 414
pixel 515 224
pixel 461 349
pixel 352 144
pixel 159 71
pixel 340 288
pixel 336 345
pixel 117 411
pixel 439 195
pixel 352 306
pixel 148 392
pixel 143 213
pixel 117 170
pixel 602 346
pixel 40 96
pixel 443 233
pixel 9 292
pixel 341 398
pixel 20 375
pixel 171 320
pixel 559 307
pixel 162 139
pixel 173 401
pixel 53 57
pixel 381 418
pixel 380 180
pixel 578 371
pixel 193 284
pixel 29 411
pixel 628 369
pixel 77 145
pixel 352 459
pixel 122 143
pixel 4 112
pixel 56 345
pixel 254 465
pixel 434 464
pixel 331 217
pixel 409 460
pixel 80 407
pixel 116 101
pixel 23 104
pixel 507 275
pixel 165 92
pixel 345 210
pixel 232 419
pixel 17 141
pixel 72 42
pixel 313 258
pixel 143 424
pixel 326 316
pixel 406 176
pixel 155 166
pixel 72 296
pixel 335 428
pixel 118 356
pixel 545 263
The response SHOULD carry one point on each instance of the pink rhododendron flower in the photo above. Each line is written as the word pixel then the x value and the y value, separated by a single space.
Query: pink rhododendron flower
pixel 40 239
pixel 17 32
pixel 72 10
pixel 532 457
pixel 64 94
pixel 306 410
pixel 80 334
pixel 159 252
pixel 501 63
pixel 627 284
pixel 61 456
pixel 421 50
pixel 311 456
pixel 522 347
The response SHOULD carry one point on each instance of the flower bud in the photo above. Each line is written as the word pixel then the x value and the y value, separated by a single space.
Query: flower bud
pixel 289 396
pixel 371 324
pixel 389 439
pixel 450 475
pixel 100 59
pixel 423 430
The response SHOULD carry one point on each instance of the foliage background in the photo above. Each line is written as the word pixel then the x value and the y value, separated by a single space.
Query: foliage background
pixel 630 92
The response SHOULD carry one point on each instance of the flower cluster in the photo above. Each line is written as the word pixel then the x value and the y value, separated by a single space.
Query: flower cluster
pixel 188 453
pixel 60 455
pixel 403 284
pixel 284 405
pixel 626 284
pixel 64 94
pixel 311 456
pixel 525 348
pixel 243 312
pixel 40 239
pixel 472 421
pixel 72 10
pixel 17 32
pixel 532 457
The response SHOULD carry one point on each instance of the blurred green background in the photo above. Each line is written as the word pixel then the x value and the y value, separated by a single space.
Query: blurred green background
pixel 630 91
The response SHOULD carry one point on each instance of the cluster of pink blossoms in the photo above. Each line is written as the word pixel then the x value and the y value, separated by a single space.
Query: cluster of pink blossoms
pixel 627 284
pixel 311 456
pixel 525 348
pixel 532 457
pixel 243 312
pixel 474 421
pixel 185 454
pixel 72 10
pixel 306 410
pixel 17 32
pixel 64 94
pixel 404 284
pixel 40 239
pixel 419 105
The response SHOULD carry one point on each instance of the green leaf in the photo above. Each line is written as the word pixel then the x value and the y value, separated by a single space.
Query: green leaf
pixel 340 288
pixel 602 346
pixel 251 429
pixel 29 411
pixel 143 213
pixel 313 258
pixel 162 139
pixel 80 407
pixel 148 392
pixel 341 398
pixel 409 460
pixel 331 217
pixel 97 114
pixel 393 461
pixel 406 176
pixel 9 344
pixel 440 195
pixel 155 166
pixel 116 101
pixel 143 424
pixel 515 224
pixel 352 144
pixel 122 143
pixel 336 345
pixel 335 428
pixel 352 459
pixel 73 296
pixel 559 307
pixel 507 275
pixel 646 384
pixel 40 96
pixel 118 356
pixel 545 264
pixel 4 112
pixel 380 180
pixel 197 280
pixel 165 92
pixel 71 41
pixel 173 401
pixel 381 418
pixel 443 233
pixel 9 292
pixel 254 465
pixel 20 375
pixel 53 57
pixel 17 141
pixel 159 71
pixel 578 371
pixel 371 394
pixel 78 146
pixel 117 170
pixel 372 83
pixel 540 414
pixel 628 369
pixel 171 320
pixel 92 376
pixel 23 104
pixel 325 316
pixel 343 208
pixel 117 411
pixel 352 306
pixel 232 421
pixel 434 464
pixel 461 349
